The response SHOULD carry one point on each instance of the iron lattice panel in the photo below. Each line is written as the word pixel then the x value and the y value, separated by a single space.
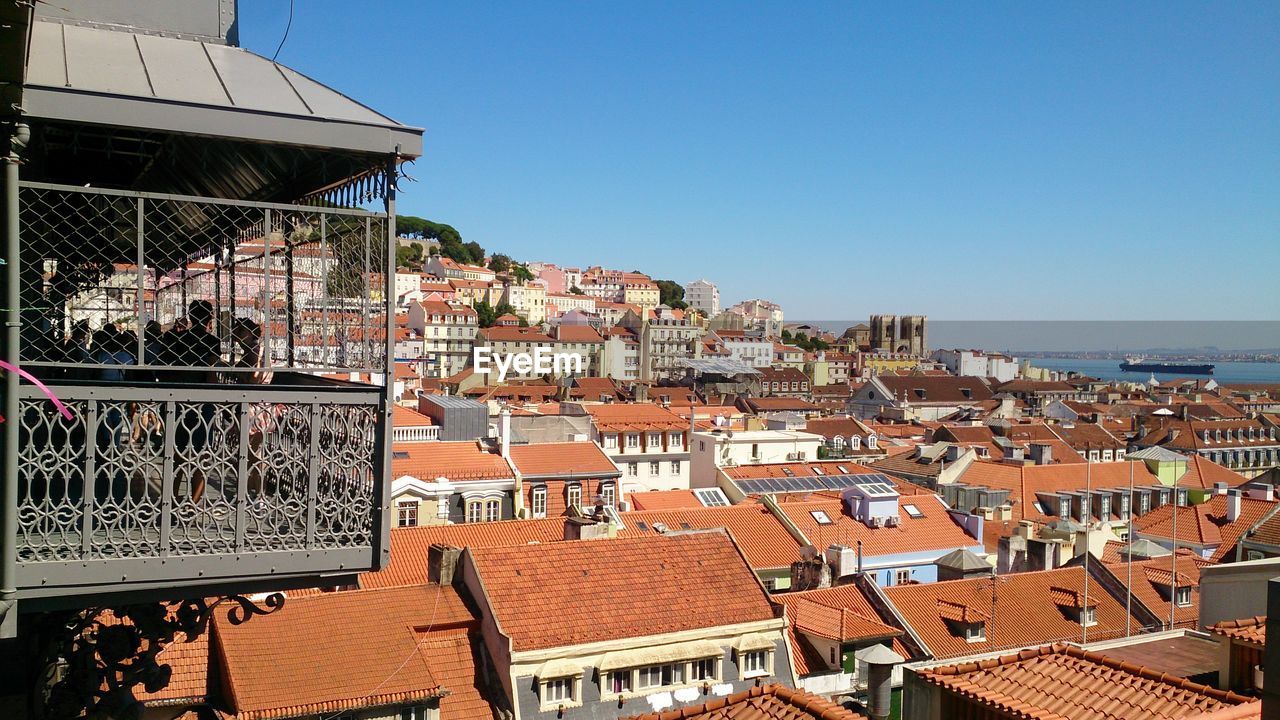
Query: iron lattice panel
pixel 207 473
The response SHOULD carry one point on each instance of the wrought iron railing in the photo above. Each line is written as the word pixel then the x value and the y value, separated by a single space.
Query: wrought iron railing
pixel 150 484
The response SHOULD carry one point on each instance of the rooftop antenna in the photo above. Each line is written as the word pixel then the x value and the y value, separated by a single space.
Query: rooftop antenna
pixel 1087 513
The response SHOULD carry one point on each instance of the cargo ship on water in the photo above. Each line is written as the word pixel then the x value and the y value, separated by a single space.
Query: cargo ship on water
pixel 1175 368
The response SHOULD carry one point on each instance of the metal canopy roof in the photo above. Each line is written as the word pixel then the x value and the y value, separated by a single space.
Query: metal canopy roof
pixel 715 366
pixel 123 79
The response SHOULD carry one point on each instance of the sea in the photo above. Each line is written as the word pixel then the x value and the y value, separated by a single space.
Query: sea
pixel 1225 373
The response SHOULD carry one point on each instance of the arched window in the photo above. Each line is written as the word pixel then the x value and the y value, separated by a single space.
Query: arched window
pixel 855 443
pixel 492 510
pixel 871 441
pixel 837 442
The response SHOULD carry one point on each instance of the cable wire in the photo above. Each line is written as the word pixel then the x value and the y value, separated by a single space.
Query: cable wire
pixel 288 26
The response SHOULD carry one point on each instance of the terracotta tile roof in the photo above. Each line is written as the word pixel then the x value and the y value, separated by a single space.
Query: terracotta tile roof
pixel 771 702
pixel 841 597
pixel 1026 611
pixel 664 500
pixel 836 623
pixel 1267 532
pixel 513 333
pixel 409 545
pixel 1025 482
pixel 1088 436
pixel 615 417
pixel 283 664
pixel 959 612
pixel 452 657
pixel 1061 682
pixel 1204 473
pixel 1249 630
pixel 189 663
pixel 578 334
pixel 575 592
pixel 1205 524
pixel 778 404
pixel 938 389
pixel 933 530
pixel 562 459
pixel 402 416
pixel 1188 434
pixel 454 460
pixel 763 539
pixel 792 469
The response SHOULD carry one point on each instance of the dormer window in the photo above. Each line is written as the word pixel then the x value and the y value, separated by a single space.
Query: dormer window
pixel 871 442
pixel 975 632
pixel 1205 435
pixel 920 393
pixel 1088 616
pixel 1182 596
pixel 1064 507
pixel 967 392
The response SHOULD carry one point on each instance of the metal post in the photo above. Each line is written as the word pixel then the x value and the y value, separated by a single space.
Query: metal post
pixel 141 260
pixel 264 355
pixel 9 451
pixel 288 300
pixel 382 465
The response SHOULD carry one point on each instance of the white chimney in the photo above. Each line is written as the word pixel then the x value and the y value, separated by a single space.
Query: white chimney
pixel 1233 505
pixel 504 432
pixel 1259 491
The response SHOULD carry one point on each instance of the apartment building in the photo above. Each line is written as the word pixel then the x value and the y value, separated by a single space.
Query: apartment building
pixel 649 443
pixel 978 363
pixel 447 331
pixel 703 296
pixel 719 448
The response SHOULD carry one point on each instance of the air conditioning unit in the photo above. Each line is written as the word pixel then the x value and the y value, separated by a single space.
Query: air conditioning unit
pixel 891 521
pixel 624 506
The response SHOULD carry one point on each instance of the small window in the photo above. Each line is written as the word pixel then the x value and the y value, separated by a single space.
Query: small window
pixel 475 511
pixel 821 517
pixel 492 510
pixel 558 690
pixel 675 467
pixel 912 511
pixel 633 469
pixel 1254 555
pixel 754 662
pixel 633 440
pixel 655 469
pixel 902 576
pixel 573 495
pixel 975 632
pixel 704 669
pixel 1088 616
pixel 620 681
pixel 676 440
pixel 607 494
pixel 611 442
pixel 655 440
pixel 1182 596
pixel 407 513
pixel 539 501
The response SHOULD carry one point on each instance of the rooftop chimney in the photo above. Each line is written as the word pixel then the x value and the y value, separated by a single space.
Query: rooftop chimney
pixel 1261 491
pixel 1233 505
pixel 880 661
pixel 504 429
pixel 1220 488
pixel 442 560
pixel 1041 453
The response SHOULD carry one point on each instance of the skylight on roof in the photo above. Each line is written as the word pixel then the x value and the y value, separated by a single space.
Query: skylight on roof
pixel 912 511
pixel 787 471
pixel 817 470
pixel 400 455
pixel 821 517
pixel 711 497
pixel 843 469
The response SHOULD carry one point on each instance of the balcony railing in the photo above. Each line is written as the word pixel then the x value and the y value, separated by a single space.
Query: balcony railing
pixel 147 485
pixel 221 457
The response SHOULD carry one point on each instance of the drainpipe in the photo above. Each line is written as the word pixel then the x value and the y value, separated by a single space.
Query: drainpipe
pixel 9 449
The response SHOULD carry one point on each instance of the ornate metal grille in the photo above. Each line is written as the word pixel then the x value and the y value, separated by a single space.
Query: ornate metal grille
pixel 164 472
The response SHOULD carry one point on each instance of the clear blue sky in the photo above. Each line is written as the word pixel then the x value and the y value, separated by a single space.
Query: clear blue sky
pixel 1082 160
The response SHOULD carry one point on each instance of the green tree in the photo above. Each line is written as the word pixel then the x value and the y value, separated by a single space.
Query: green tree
pixel 670 292
pixel 500 263
pixel 409 256
pixel 521 273
pixel 575 290
pixel 485 314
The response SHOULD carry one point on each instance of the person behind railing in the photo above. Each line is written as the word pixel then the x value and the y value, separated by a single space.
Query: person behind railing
pixel 252 366
pixel 198 347
pixel 75 352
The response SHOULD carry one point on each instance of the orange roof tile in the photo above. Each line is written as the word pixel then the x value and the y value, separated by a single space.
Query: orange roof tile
pixel 1152 578
pixel 614 417
pixel 664 500
pixel 1205 524
pixel 451 655
pixel 282 664
pixel 933 530
pixel 774 702
pixel 1061 682
pixel 402 416
pixel 454 460
pixel 409 545
pixel 1023 607
pixel 842 597
pixel 581 591
pixel 1250 630
pixel 1025 481
pixel 763 539
pixel 562 459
